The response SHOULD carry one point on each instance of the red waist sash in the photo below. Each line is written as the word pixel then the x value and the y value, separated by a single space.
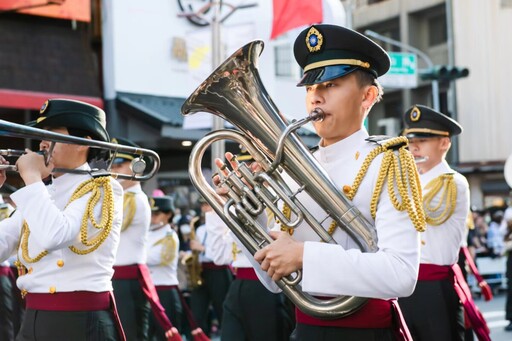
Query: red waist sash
pixel 374 314
pixel 166 287
pixel 432 272
pixel 213 266
pixel 75 301
pixel 6 271
pixel 246 274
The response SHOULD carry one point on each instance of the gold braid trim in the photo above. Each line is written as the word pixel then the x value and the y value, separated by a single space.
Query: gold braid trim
pixel 400 170
pixel 107 213
pixel 446 187
pixel 168 251
pixel 129 207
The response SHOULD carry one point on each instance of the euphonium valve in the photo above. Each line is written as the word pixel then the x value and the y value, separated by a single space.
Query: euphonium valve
pixel 234 91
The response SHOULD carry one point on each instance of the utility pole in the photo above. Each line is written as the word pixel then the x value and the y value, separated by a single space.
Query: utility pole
pixel 198 18
pixel 421 54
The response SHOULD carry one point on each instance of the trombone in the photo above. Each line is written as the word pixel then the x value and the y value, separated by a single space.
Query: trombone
pixel 138 165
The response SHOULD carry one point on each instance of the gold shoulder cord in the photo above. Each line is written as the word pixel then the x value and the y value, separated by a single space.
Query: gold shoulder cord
pixel 107 213
pixel 446 187
pixel 399 170
pixel 168 251
pixel 129 207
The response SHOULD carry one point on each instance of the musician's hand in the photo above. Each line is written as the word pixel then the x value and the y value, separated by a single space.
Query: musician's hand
pixel 196 245
pixel 223 190
pixel 3 175
pixel 171 332
pixel 32 168
pixel 282 257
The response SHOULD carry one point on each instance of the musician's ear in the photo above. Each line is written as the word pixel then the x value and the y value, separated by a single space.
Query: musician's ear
pixel 370 96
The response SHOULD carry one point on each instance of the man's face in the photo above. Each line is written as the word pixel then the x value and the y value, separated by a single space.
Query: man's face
pixel 428 151
pixel 341 100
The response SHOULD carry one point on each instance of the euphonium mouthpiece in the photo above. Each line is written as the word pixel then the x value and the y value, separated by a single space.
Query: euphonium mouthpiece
pixel 317 115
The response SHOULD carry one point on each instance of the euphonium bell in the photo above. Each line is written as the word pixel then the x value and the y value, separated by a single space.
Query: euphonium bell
pixel 234 91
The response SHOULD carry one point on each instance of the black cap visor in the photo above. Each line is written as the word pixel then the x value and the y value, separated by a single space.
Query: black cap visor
pixel 326 73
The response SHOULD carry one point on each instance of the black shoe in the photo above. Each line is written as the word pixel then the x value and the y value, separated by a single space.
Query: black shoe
pixel 509 327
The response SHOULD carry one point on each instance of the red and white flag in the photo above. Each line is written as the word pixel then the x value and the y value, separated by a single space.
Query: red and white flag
pixel 290 14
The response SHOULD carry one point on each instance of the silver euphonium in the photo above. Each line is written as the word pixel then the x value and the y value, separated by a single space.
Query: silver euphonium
pixel 234 91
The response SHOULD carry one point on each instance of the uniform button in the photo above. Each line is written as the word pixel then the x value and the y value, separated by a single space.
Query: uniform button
pixel 60 263
pixel 423 242
pixel 52 290
pixel 30 270
pixel 346 188
pixel 23 293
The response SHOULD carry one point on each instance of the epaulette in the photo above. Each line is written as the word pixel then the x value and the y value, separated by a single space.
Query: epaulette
pixel 390 142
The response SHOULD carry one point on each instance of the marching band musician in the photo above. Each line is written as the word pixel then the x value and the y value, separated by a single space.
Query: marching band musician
pixel 251 312
pixel 215 279
pixel 162 260
pixel 341 68
pixel 65 234
pixel 131 302
pixel 446 204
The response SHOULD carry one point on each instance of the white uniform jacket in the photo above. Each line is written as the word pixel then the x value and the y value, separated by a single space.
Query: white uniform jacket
pixel 55 227
pixel 132 247
pixel 342 269
pixel 441 244
pixel 162 272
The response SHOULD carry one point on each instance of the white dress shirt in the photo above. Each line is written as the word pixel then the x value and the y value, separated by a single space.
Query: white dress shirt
pixel 132 247
pixel 54 226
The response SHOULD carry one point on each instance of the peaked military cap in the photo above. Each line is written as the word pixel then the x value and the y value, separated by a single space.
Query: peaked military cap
pixel 163 203
pixel 73 114
pixel 124 156
pixel 422 121
pixel 326 52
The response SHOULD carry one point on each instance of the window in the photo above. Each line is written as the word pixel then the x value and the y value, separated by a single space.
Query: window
pixel 284 60
pixel 437 30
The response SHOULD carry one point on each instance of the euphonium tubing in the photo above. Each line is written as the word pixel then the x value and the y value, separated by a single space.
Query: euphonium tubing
pixel 234 92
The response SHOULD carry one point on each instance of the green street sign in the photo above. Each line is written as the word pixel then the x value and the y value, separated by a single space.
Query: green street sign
pixel 403 72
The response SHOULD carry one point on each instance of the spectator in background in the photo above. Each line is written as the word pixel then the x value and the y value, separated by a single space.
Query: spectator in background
pixel 507 218
pixel 479 239
pixel 495 236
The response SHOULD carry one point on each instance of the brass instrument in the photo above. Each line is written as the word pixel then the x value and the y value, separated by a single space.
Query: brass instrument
pixel 138 165
pixel 191 261
pixel 234 91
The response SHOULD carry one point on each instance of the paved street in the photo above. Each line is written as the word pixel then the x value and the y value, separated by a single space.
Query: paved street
pixel 494 313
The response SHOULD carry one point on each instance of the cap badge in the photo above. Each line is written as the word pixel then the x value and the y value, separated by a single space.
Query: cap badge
pixel 152 203
pixel 44 107
pixel 415 114
pixel 314 40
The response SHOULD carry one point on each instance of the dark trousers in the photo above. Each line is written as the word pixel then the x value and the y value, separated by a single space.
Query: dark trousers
pixel 434 312
pixel 508 304
pixel 42 325
pixel 304 332
pixel 171 302
pixel 133 308
pixel 213 291
pixel 7 309
pixel 252 313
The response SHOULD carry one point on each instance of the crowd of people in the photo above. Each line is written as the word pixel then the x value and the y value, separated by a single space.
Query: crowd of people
pixel 96 258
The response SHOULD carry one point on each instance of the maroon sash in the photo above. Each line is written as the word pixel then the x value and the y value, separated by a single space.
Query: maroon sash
pixel 213 266
pixel 141 272
pixel 375 314
pixel 76 301
pixel 432 272
pixel 246 274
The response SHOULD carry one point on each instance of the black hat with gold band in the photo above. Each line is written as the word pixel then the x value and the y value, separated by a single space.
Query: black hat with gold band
pixel 73 114
pixel 326 52
pixel 422 121
pixel 124 156
pixel 163 203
